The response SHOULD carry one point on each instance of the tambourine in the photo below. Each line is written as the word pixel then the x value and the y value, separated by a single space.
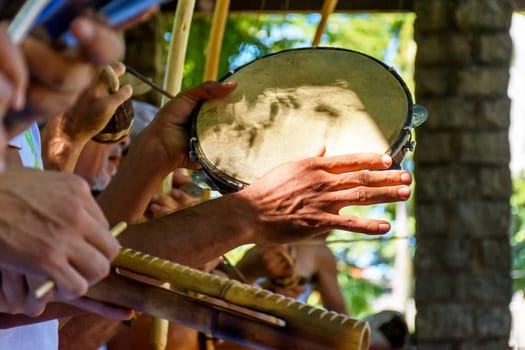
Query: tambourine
pixel 290 103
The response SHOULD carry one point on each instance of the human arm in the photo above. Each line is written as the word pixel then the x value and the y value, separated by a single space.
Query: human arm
pixel 327 283
pixel 291 202
pixel 294 201
pixel 161 148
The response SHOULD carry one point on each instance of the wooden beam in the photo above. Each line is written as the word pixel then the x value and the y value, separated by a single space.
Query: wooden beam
pixel 302 6
pixel 520 5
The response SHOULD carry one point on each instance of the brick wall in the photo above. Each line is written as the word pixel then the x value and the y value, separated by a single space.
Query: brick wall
pixel 463 185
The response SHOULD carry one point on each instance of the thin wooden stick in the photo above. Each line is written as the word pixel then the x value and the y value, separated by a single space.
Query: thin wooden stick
pixel 148 81
pixel 179 43
pixel 213 52
pixel 175 65
pixel 173 85
pixel 47 286
pixel 328 8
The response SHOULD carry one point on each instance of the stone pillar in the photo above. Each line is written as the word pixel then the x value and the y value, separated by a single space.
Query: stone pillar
pixel 463 182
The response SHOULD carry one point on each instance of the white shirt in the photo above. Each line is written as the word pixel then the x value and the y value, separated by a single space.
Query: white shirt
pixel 43 335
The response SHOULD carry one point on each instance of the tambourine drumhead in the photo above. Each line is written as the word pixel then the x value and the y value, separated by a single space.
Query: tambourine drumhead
pixel 290 103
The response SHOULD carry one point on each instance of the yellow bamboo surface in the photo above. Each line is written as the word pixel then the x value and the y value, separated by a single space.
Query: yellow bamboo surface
pixel 179 43
pixel 173 84
pixel 213 52
pixel 334 329
pixel 328 8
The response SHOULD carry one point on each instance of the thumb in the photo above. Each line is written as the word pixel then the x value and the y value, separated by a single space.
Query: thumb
pixel 122 95
pixel 178 110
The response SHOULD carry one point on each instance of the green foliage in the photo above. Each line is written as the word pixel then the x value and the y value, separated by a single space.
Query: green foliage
pixel 249 36
pixel 518 232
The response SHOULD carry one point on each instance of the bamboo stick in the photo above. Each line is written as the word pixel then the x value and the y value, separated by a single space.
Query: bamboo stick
pixel 295 326
pixel 177 51
pixel 175 63
pixel 328 8
pixel 173 85
pixel 213 52
pixel 316 322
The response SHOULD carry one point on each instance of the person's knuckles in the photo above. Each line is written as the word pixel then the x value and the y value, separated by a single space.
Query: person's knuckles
pixel 34 307
pixel 113 249
pixel 364 161
pixel 97 269
pixel 73 289
pixel 119 68
pixel 125 92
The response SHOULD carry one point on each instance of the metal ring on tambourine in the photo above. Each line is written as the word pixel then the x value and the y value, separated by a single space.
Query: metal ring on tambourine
pixel 291 102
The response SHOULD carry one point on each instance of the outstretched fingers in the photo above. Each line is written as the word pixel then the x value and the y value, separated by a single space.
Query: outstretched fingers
pixel 372 179
pixel 354 162
pixel 360 225
pixel 362 195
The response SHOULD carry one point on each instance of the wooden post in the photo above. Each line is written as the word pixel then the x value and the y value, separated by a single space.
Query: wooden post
pixel 173 84
pixel 213 52
pixel 328 8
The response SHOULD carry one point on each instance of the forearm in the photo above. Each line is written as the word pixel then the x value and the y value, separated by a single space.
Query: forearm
pixel 131 189
pixel 194 235
pixel 329 288
pixel 60 151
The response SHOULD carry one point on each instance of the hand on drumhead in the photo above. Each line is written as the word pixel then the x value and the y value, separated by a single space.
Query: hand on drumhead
pixel 168 135
pixel 303 198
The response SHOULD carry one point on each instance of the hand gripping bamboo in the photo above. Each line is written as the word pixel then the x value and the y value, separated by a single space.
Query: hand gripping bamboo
pixel 45 287
pixel 309 327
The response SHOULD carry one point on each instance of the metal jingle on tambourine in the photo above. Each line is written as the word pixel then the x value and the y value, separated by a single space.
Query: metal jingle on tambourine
pixel 419 115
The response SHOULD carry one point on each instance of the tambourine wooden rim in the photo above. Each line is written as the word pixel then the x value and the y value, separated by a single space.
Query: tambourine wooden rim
pixel 225 183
